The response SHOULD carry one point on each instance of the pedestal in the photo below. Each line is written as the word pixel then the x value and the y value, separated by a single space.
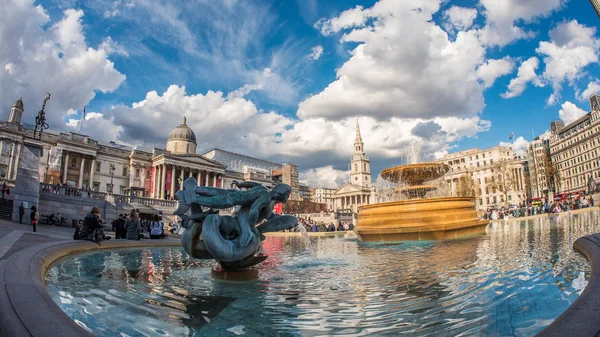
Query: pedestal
pixel 27 184
pixel 247 274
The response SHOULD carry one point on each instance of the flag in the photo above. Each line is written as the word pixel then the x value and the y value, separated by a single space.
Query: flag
pixel 511 136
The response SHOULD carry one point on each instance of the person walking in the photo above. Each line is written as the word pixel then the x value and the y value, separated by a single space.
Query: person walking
pixel 34 216
pixel 21 212
pixel 132 226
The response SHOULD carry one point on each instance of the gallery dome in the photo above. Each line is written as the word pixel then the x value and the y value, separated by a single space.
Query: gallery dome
pixel 183 132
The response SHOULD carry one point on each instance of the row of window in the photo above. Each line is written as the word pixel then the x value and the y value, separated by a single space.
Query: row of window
pixel 98 167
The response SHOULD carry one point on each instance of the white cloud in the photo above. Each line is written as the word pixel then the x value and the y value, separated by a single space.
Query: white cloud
pixel 316 52
pixel 571 48
pixel 404 66
pixel 519 146
pixel 593 88
pixel 504 16
pixel 493 69
pixel 36 57
pixel 461 18
pixel 525 74
pixel 570 112
pixel 324 177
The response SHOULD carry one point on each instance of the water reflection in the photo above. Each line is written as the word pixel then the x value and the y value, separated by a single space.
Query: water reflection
pixel 513 281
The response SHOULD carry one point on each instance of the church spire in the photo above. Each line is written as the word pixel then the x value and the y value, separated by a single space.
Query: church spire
pixel 358 142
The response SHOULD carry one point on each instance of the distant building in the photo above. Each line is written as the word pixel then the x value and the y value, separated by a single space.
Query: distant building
pixel 323 196
pixel 303 192
pixel 359 190
pixel 540 166
pixel 479 165
pixel 574 150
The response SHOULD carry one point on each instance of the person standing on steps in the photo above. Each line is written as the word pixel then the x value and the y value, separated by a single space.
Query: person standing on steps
pixel 34 216
pixel 21 212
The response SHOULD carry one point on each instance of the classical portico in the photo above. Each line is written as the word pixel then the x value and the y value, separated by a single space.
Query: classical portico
pixel 179 162
pixel 352 196
pixel 77 157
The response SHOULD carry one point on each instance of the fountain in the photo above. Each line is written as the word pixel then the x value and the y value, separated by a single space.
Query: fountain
pixel 418 218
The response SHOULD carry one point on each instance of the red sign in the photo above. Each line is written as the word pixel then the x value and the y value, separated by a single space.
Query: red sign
pixel 278 209
pixel 168 180
pixel 218 182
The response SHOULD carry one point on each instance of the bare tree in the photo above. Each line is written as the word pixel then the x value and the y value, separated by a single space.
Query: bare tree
pixel 503 179
pixel 466 187
pixel 550 173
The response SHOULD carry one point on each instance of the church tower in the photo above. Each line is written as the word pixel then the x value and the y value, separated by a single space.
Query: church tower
pixel 16 112
pixel 360 165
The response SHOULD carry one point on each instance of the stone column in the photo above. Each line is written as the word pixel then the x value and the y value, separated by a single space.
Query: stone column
pixel 206 178
pixel 80 183
pixel 66 156
pixel 173 171
pixel 92 169
pixel 131 176
pixel 199 178
pixel 154 182
pixel 191 174
pixel 214 180
pixel 16 166
pixel 2 148
pixel 10 162
pixel 182 178
pixel 163 174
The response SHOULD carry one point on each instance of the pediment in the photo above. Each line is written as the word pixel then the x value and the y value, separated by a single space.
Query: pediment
pixel 348 188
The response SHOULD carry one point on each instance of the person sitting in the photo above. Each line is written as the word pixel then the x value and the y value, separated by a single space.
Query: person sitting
pixel 52 219
pixel 156 228
pixel 133 227
pixel 91 229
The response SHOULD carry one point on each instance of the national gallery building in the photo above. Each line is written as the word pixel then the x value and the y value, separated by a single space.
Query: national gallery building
pixel 81 162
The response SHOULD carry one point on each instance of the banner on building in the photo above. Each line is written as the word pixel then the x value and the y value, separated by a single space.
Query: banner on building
pixel 168 180
pixel 54 159
pixel 151 183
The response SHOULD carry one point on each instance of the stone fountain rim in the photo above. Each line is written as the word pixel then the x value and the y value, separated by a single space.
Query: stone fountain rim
pixel 400 169
pixel 27 308
pixel 416 201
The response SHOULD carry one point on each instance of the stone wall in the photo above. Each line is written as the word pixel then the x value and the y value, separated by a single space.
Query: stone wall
pixel 70 207
pixel 27 185
pixel 74 207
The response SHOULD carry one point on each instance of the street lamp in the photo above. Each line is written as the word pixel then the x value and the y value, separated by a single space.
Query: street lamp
pixel 40 119
pixel 112 174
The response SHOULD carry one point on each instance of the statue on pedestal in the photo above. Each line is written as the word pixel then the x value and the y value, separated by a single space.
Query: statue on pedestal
pixel 232 240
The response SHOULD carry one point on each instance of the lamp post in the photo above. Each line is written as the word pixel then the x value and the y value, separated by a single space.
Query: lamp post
pixel 112 174
pixel 40 120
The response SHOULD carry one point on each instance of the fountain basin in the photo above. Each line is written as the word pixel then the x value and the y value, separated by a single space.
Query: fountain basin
pixel 419 219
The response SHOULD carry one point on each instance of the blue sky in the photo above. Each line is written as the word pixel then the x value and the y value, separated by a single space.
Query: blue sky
pixel 284 80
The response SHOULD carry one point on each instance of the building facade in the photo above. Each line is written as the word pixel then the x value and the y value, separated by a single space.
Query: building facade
pixel 323 196
pixel 359 190
pixel 78 161
pixel 540 167
pixel 574 150
pixel 482 170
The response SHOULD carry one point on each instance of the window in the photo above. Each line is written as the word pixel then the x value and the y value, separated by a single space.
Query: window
pixel 124 171
pixel 355 178
pixel 137 173
pixel 98 166
pixel 365 167
pixel 3 171
pixel 73 162
pixel 6 148
pixel 109 188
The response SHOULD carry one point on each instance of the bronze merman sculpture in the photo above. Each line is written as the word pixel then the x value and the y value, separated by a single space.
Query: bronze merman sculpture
pixel 232 240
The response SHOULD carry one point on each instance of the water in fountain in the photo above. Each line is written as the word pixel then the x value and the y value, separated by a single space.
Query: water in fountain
pixel 305 237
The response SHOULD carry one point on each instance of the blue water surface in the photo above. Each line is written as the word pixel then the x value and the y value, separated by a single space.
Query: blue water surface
pixel 513 281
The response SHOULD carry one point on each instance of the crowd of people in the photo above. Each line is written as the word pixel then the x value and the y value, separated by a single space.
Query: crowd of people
pixel 530 209
pixel 127 227
pixel 313 226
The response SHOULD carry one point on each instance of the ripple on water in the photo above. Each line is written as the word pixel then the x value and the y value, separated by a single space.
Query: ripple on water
pixel 514 280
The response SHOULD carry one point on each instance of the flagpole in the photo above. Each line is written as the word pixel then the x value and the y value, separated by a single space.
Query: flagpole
pixel 81 121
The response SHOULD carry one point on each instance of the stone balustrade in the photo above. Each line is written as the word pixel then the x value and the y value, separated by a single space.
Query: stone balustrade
pixel 71 191
pixel 119 198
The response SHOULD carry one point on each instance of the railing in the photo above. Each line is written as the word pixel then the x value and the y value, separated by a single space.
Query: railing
pixel 71 191
pixel 145 201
